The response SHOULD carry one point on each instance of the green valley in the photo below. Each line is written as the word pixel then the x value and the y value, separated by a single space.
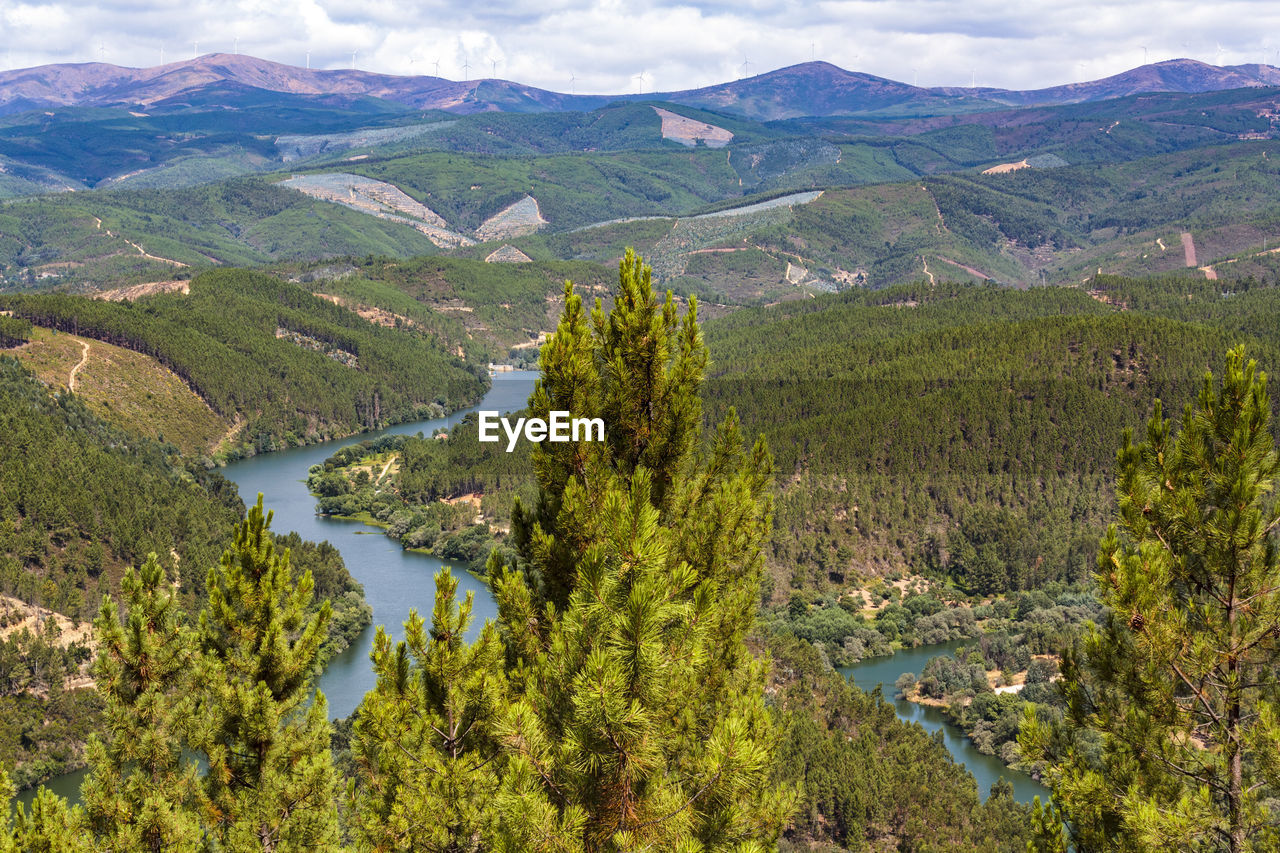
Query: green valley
pixel 893 378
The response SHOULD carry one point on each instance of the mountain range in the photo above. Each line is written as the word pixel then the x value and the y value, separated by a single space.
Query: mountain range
pixel 808 89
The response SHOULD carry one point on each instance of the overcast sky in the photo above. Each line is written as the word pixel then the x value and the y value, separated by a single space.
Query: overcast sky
pixel 600 46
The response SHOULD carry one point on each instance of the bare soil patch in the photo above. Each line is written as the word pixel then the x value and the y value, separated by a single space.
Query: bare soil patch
pixel 515 220
pixel 1005 168
pixel 137 291
pixel 689 131
pixel 1189 249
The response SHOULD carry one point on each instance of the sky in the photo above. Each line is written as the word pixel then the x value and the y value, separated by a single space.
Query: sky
pixel 608 46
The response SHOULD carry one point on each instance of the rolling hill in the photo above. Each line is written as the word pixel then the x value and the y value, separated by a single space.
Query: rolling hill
pixel 293 368
pixel 807 89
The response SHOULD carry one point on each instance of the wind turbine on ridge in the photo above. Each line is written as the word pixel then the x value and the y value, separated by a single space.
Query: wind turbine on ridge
pixel 640 83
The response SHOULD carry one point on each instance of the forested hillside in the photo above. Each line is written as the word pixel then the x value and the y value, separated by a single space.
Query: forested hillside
pixel 80 502
pixel 869 779
pixel 486 308
pixel 963 429
pixel 875 223
pixel 967 429
pixel 291 366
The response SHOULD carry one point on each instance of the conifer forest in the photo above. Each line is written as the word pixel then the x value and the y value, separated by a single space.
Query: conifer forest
pixel 935 506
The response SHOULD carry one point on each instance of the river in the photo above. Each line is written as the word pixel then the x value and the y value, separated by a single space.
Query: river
pixel 396 580
pixel 986 769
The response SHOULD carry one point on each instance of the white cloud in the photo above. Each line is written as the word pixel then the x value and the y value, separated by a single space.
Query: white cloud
pixel 604 44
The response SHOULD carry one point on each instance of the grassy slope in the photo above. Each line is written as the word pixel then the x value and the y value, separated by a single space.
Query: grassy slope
pixel 225 339
pixel 127 389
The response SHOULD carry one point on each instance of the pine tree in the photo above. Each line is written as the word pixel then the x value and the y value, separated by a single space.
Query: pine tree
pixel 7 790
pixel 263 728
pixel 639 368
pixel 1171 734
pixel 51 826
pixel 141 795
pixel 639 721
pixel 423 740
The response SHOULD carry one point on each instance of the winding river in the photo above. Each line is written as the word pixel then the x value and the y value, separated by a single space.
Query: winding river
pixel 396 580
pixel 986 769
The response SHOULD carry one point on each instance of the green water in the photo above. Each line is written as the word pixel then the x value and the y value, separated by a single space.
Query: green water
pixel 986 769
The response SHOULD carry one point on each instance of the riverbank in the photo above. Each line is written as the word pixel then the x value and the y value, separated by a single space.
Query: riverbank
pixel 883 672
pixel 394 580
pixel 230 451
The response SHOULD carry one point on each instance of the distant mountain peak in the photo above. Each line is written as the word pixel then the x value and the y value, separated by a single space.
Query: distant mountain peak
pixel 816 88
pixel 1170 75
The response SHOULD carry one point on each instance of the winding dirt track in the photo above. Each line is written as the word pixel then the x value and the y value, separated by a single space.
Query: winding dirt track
pixel 71 380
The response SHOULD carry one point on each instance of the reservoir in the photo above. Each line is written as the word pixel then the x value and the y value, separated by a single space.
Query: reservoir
pixel 396 580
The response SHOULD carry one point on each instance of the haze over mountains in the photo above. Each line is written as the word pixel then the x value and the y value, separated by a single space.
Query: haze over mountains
pixel 808 89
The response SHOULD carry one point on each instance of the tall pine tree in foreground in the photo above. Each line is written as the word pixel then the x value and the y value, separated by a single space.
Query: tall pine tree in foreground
pixel 264 728
pixel 638 720
pixel 141 794
pixel 1171 738
pixel 49 826
pixel 423 740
